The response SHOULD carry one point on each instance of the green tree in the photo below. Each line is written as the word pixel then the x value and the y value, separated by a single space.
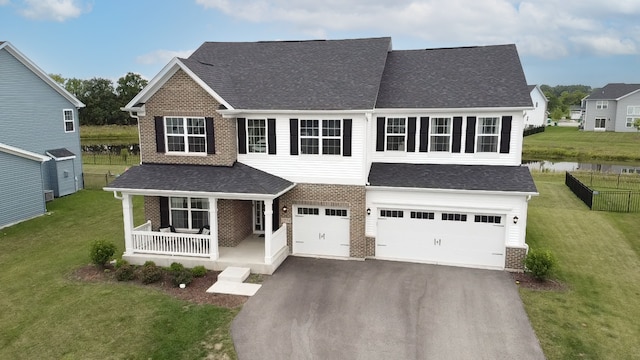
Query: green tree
pixel 57 78
pixel 101 103
pixel 75 87
pixel 128 87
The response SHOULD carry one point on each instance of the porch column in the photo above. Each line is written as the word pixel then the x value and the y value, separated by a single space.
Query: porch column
pixel 127 215
pixel 213 225
pixel 268 230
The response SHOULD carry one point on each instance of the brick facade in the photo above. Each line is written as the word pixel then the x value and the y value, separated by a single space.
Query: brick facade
pixel 514 259
pixel 349 196
pixel 181 96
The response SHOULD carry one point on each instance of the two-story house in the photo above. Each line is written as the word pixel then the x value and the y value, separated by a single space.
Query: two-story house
pixel 339 148
pixel 40 153
pixel 614 107
pixel 538 115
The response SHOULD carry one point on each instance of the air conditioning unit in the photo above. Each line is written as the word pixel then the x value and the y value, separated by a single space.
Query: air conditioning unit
pixel 48 195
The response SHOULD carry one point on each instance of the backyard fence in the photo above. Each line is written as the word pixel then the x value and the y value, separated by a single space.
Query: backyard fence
pixel 533 130
pixel 626 197
pixel 97 181
pixel 111 154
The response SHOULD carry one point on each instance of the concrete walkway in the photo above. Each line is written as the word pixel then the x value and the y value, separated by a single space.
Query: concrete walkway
pixel 333 309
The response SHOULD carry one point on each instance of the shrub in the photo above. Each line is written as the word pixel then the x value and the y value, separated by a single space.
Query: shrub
pixel 199 271
pixel 125 272
pixel 183 276
pixel 120 263
pixel 176 267
pixel 102 251
pixel 539 263
pixel 150 273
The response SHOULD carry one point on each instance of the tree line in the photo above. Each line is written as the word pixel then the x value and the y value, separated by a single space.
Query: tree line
pixel 562 97
pixel 103 98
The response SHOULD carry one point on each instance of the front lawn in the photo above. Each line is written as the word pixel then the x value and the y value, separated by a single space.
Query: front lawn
pixel 599 260
pixel 47 314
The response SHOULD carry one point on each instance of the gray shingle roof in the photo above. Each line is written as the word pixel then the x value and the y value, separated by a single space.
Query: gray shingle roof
pixel 60 153
pixel 453 177
pixel 293 75
pixel 486 76
pixel 613 91
pixel 531 87
pixel 236 179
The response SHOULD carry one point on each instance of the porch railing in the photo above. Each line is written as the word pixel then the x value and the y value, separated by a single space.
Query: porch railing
pixel 144 227
pixel 180 244
pixel 279 240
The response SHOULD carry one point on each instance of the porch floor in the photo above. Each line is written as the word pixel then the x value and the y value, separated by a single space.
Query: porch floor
pixel 249 250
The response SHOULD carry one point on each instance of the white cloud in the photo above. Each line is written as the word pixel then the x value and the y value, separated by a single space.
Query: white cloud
pixel 4 2
pixel 162 56
pixel 545 28
pixel 57 10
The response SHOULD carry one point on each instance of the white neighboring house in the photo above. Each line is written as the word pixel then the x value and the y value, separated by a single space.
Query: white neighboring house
pixel 538 116
pixel 337 148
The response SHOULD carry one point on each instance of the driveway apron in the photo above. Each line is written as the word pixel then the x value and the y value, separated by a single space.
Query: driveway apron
pixel 336 309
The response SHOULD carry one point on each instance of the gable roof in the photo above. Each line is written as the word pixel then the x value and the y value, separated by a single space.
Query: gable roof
pixel 40 73
pixel 464 77
pixel 23 153
pixel 236 179
pixel 613 91
pixel 453 177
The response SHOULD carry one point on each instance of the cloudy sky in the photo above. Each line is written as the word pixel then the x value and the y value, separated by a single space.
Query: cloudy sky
pixel 560 42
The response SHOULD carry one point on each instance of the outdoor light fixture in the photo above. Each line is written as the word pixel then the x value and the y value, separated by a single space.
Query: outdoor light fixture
pixel 368 211
pixel 284 209
pixel 515 219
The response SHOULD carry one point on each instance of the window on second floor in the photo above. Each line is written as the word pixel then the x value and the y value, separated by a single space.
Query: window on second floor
pixel 440 134
pixel 396 134
pixel 321 137
pixel 488 134
pixel 69 124
pixel 257 135
pixel 185 135
pixel 602 104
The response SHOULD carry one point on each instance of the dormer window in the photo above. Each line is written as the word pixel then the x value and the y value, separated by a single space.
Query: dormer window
pixel 185 135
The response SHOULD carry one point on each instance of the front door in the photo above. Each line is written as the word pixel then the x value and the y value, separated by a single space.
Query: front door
pixel 258 217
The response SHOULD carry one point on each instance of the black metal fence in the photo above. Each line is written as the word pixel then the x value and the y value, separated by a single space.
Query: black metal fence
pixel 111 154
pixel 97 181
pixel 605 200
pixel 533 130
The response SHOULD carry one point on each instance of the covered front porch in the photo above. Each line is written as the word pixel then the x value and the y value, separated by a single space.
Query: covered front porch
pixel 214 228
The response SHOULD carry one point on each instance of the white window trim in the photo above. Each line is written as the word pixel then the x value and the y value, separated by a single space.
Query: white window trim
pixel 595 124
pixel 630 121
pixel 266 137
pixel 65 121
pixel 189 210
pixel 602 104
pixel 387 134
pixel 450 134
pixel 633 110
pixel 497 135
pixel 320 137
pixel 185 136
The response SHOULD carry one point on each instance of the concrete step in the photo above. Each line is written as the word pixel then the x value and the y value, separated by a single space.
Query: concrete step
pixel 234 274
pixel 234 288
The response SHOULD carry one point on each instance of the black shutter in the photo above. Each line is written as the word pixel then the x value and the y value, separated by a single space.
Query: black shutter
pixel 424 134
pixel 457 134
pixel 469 146
pixel 380 134
pixel 505 134
pixel 164 212
pixel 211 136
pixel 293 136
pixel 346 137
pixel 242 135
pixel 275 223
pixel 271 134
pixel 159 133
pixel 411 140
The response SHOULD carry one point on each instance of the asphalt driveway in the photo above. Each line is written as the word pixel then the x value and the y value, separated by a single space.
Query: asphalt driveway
pixel 336 309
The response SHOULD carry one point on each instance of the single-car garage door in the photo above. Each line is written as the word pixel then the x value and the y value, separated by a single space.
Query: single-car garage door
pixel 321 231
pixel 454 238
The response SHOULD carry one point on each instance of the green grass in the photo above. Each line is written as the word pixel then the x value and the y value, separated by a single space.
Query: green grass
pixel 111 134
pixel 598 258
pixel 46 314
pixel 568 142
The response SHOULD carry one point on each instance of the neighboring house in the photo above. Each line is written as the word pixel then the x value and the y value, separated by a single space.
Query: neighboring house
pixel 538 115
pixel 39 138
pixel 339 148
pixel 614 107
pixel 575 112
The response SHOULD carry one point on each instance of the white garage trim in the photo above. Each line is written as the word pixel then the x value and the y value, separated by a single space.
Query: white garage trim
pixel 321 231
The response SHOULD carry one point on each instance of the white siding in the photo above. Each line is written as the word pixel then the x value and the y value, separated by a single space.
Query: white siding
pixel 323 169
pixel 509 205
pixel 537 116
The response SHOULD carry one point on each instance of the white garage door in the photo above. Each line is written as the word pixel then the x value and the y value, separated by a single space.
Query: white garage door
pixel 321 231
pixel 453 238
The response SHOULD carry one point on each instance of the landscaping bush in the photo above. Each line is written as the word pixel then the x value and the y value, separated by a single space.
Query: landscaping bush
pixel 125 272
pixel 199 271
pixel 176 267
pixel 539 263
pixel 150 273
pixel 120 263
pixel 183 276
pixel 102 251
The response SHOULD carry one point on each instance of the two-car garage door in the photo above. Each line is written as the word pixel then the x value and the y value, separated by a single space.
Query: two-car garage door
pixel 441 237
pixel 322 231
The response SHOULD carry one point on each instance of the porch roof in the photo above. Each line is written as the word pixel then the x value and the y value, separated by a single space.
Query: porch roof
pixel 237 181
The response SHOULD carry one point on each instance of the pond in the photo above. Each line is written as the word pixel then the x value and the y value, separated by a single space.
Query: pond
pixel 572 165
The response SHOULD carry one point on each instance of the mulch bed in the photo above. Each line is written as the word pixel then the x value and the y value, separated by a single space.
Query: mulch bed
pixel 194 292
pixel 525 280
